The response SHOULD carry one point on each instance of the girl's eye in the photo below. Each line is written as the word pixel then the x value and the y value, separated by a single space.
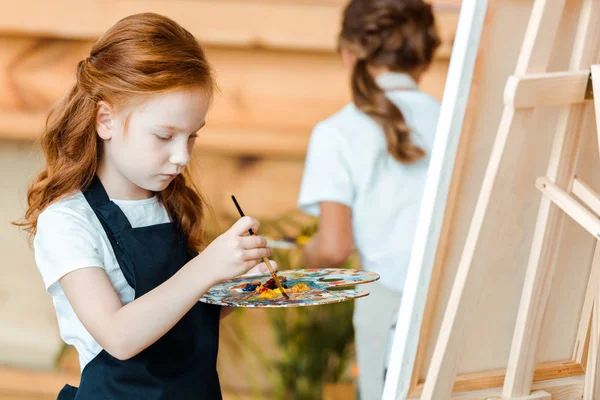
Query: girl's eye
pixel 163 138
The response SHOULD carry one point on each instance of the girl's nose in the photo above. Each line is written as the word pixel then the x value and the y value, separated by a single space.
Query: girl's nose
pixel 181 156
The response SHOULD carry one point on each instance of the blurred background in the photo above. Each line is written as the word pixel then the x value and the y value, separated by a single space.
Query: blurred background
pixel 279 74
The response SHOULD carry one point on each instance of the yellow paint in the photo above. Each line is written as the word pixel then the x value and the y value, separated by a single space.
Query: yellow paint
pixel 300 287
pixel 271 293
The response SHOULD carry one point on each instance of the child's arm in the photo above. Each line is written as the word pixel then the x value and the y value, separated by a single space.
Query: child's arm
pixel 333 243
pixel 124 331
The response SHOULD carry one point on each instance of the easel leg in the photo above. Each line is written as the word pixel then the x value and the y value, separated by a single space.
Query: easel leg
pixel 595 69
pixel 591 388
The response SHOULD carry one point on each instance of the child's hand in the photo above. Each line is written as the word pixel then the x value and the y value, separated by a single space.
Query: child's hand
pixel 235 252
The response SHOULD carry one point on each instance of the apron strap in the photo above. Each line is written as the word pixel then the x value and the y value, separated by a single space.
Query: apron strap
pixel 112 214
pixel 113 221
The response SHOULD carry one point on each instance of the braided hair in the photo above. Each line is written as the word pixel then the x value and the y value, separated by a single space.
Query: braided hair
pixel 401 36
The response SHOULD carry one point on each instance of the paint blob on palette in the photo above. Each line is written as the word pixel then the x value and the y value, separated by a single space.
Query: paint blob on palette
pixel 305 287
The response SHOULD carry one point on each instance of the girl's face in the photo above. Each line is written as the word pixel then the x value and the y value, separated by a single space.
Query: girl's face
pixel 147 145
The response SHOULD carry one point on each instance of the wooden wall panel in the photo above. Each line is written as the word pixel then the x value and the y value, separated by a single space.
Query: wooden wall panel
pixel 267 99
pixel 298 25
pixel 265 187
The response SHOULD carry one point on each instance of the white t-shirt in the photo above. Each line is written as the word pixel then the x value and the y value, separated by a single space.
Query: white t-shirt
pixel 69 237
pixel 348 163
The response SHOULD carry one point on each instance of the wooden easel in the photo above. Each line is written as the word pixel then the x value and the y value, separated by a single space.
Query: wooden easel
pixel 531 87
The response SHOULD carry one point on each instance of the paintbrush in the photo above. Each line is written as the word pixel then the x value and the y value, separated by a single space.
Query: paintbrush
pixel 265 259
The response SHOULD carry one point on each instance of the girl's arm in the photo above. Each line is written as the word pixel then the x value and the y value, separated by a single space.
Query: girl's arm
pixel 125 330
pixel 333 243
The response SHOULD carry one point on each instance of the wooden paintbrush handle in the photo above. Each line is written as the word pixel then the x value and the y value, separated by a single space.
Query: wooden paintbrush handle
pixel 272 271
pixel 265 259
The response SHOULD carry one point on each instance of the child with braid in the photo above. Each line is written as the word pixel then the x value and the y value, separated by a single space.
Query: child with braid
pixel 366 165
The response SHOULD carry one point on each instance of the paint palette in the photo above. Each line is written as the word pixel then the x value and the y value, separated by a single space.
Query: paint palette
pixel 323 286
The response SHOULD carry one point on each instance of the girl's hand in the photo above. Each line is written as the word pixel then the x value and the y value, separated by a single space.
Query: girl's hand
pixel 234 252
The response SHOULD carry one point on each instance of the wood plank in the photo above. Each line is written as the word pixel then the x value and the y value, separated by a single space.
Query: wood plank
pixel 218 177
pixel 253 142
pixel 539 39
pixel 260 92
pixel 285 25
pixel 434 200
pixel 235 141
pixel 494 379
pixel 560 389
pixel 539 395
pixel 541 265
pixel 261 100
pixel 258 89
pixel 553 88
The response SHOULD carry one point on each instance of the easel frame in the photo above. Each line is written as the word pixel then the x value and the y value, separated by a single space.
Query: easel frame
pixel 529 87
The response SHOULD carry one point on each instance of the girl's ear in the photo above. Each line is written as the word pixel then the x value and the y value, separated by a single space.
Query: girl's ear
pixel 104 120
pixel 348 58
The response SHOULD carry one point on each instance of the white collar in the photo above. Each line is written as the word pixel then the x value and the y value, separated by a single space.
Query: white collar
pixel 395 81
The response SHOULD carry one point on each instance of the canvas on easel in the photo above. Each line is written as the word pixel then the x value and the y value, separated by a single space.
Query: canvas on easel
pixel 509 304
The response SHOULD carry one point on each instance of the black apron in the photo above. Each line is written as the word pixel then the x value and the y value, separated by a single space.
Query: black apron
pixel 183 363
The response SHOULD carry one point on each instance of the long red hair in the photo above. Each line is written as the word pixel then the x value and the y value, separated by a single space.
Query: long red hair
pixel 139 56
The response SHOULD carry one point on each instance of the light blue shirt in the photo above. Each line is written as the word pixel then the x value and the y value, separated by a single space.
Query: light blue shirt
pixel 348 163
